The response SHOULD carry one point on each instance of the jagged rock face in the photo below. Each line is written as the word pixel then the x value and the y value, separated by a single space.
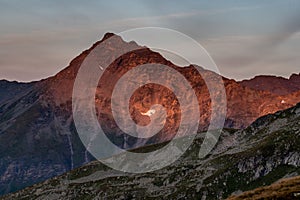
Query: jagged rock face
pixel 273 84
pixel 244 104
pixel 37 133
pixel 265 152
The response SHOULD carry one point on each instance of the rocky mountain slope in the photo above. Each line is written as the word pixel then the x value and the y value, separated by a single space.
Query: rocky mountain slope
pixel 9 90
pixel 274 84
pixel 37 134
pixel 263 153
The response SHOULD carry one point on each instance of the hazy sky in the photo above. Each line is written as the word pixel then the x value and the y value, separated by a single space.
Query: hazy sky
pixel 245 38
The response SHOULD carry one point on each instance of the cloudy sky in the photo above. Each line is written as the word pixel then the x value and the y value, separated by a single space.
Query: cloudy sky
pixel 245 38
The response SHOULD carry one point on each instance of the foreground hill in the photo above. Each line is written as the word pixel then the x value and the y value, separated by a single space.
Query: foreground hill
pixel 263 153
pixel 288 188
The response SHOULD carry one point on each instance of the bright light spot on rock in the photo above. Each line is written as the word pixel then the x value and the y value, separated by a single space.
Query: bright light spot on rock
pixel 149 113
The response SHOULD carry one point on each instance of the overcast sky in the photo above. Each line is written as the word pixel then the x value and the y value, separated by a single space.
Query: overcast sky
pixel 245 38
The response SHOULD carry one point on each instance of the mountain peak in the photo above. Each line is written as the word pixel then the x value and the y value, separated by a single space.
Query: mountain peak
pixel 294 76
pixel 107 35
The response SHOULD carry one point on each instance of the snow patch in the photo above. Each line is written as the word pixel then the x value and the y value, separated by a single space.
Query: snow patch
pixel 149 113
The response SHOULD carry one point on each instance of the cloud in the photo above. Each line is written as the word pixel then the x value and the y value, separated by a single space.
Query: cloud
pixel 178 15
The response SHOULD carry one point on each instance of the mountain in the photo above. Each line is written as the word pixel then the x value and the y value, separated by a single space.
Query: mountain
pixel 263 153
pixel 288 188
pixel 274 84
pixel 38 137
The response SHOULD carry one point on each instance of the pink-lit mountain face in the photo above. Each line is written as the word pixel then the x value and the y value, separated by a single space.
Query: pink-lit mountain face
pixel 273 84
pixel 252 102
pixel 38 136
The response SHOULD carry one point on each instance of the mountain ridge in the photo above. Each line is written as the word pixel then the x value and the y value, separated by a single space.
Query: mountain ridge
pixel 275 84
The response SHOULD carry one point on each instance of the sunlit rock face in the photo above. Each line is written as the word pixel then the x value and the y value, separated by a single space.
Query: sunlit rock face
pixel 273 84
